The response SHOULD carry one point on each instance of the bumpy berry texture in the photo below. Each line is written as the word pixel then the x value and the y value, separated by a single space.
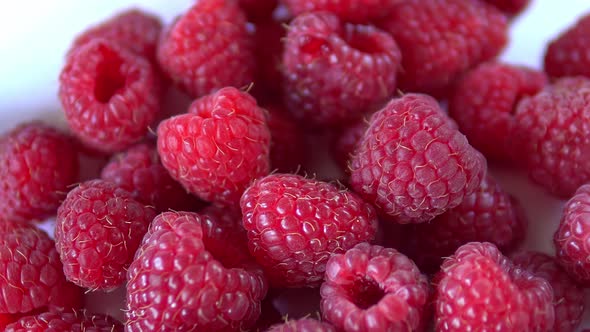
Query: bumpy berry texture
pixel 334 71
pixel 37 164
pixel 207 292
pixel 484 101
pixel 345 142
pixel 441 39
pixel 139 171
pixel 98 229
pixel 371 288
pixel 294 224
pixel 412 163
pixel 552 137
pixel 109 95
pixel 303 325
pixel 219 148
pixel 288 149
pixel 71 321
pixel 360 11
pixel 487 215
pixel 568 297
pixel 133 29
pixel 208 48
pixel 510 7
pixel 481 290
pixel 568 55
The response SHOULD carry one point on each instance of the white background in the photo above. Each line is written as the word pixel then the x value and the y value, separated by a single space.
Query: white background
pixel 34 36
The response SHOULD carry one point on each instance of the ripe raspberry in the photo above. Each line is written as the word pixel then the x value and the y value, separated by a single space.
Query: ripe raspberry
pixel 484 101
pixel 258 10
pixel 345 142
pixel 287 144
pixel 360 11
pixel 139 171
pixel 37 164
pixel 568 297
pixel 441 39
pixel 204 291
pixel 218 150
pixel 372 288
pixel 134 29
pixel 98 229
pixel 302 325
pixel 334 71
pixel 568 55
pixel 67 322
pixel 109 95
pixel 412 162
pixel 294 224
pixel 208 48
pixel 487 215
pixel 552 136
pixel 481 290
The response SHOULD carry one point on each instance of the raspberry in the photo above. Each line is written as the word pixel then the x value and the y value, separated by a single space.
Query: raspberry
pixel 134 29
pixel 294 224
pixel 481 290
pixel 371 288
pixel 139 171
pixel 37 164
pixel 510 7
pixel 208 48
pixel 218 149
pixel 258 10
pixel 484 101
pixel 287 146
pixel 568 55
pixel 348 10
pixel 344 143
pixel 203 291
pixel 552 136
pixel 412 162
pixel 441 39
pixel 335 71
pixel 568 297
pixel 302 325
pixel 67 322
pixel 109 95
pixel 487 215
pixel 98 229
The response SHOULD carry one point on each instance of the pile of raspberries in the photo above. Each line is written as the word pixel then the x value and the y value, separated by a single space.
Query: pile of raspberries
pixel 306 165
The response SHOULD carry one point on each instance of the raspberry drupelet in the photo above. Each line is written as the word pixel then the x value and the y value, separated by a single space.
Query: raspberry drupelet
pixel 567 55
pixel 302 325
pixel 360 11
pixel 71 321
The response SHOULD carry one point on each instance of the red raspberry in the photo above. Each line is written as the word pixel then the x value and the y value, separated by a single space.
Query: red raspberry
pixel 568 55
pixel 360 11
pixel 302 325
pixel 345 142
pixel 139 171
pixel 371 288
pixel 335 71
pixel 412 162
pixel 481 290
pixel 258 10
pixel 204 292
pixel 568 297
pixel 294 224
pixel 98 229
pixel 510 7
pixel 552 136
pixel 487 215
pixel 218 150
pixel 109 95
pixel 208 48
pixel 66 322
pixel 441 39
pixel 484 101
pixel 37 164
pixel 287 146
pixel 133 29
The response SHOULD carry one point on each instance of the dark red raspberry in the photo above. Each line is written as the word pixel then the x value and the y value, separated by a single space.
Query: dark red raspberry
pixel 360 11
pixel 37 164
pixel 98 229
pixel 6 319
pixel 203 291
pixel 481 290
pixel 74 321
pixel 216 151
pixel 208 48
pixel 568 297
pixel 302 325
pixel 412 162
pixel 334 71
pixel 258 10
pixel 294 224
pixel 371 288
pixel 133 29
pixel 568 55
pixel 139 171
pixel 484 101
pixel 109 95
pixel 552 138
pixel 441 39
pixel 345 142
pixel 487 215
pixel 510 7
pixel 287 145
pixel 269 40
